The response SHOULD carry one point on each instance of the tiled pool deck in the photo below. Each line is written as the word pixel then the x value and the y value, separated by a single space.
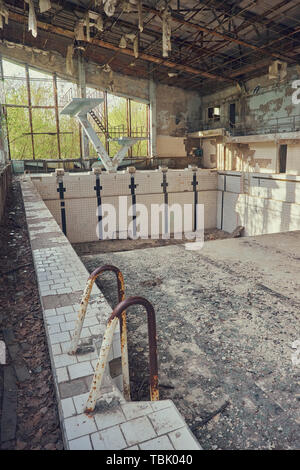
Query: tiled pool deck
pixel 118 424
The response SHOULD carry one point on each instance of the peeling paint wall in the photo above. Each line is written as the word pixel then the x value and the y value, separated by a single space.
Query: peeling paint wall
pixel 178 112
pixel 262 156
pixel 252 157
pixel 168 146
pixel 213 152
pixel 264 103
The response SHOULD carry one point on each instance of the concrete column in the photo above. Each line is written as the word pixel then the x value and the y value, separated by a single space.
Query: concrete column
pixel 82 94
pixel 152 99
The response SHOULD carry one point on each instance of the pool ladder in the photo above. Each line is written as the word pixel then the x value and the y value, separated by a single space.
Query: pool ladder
pixel 118 314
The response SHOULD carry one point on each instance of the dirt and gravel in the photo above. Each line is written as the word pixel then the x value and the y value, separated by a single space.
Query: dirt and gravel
pixel 226 317
pixel 29 417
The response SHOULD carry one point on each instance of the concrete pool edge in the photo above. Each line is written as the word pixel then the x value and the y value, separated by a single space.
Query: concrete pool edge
pixel 61 278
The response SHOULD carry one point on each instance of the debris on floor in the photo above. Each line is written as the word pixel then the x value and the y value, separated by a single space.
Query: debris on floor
pixel 28 411
pixel 224 336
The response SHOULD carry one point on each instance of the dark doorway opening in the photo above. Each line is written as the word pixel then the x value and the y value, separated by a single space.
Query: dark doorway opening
pixel 232 115
pixel 282 158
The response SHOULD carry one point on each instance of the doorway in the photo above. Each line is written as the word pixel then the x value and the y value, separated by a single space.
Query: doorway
pixel 282 158
pixel 232 115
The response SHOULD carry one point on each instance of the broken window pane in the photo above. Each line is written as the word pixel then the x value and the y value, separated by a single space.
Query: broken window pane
pixel 10 69
pixel 43 120
pixel 45 146
pixel 69 137
pixel 18 133
pixel 15 90
pixel 41 88
pixel 139 125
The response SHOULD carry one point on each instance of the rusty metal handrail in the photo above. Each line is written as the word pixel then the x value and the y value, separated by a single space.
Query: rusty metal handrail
pixel 123 327
pixel 106 344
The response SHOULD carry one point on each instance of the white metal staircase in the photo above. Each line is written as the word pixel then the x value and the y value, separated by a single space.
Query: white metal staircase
pixel 80 108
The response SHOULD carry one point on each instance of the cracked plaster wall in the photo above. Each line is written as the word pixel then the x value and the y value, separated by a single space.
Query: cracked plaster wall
pixel 256 107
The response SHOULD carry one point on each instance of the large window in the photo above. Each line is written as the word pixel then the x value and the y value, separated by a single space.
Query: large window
pixel 139 127
pixel 36 130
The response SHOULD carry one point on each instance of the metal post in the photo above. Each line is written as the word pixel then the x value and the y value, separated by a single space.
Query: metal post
pixel 106 122
pixel 147 129
pixel 152 97
pixel 56 113
pixel 101 365
pixel 82 94
pixel 5 152
pixel 30 109
pixel 128 115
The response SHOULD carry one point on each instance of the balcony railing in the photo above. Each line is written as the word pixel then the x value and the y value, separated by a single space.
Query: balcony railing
pixel 270 126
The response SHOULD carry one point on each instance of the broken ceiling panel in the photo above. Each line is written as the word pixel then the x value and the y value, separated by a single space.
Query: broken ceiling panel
pixel 32 24
pixel 208 45
pixel 44 5
pixel 3 14
pixel 109 6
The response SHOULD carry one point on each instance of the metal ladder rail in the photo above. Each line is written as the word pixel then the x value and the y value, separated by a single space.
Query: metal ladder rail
pixel 106 344
pixel 98 121
pixel 123 327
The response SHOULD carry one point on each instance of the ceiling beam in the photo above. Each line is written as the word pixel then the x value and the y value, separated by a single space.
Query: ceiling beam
pixel 22 19
pixel 252 18
pixel 197 27
pixel 177 41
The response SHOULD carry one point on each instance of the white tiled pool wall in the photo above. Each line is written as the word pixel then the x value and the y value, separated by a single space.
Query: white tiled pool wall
pixel 80 195
pixel 61 278
pixel 262 203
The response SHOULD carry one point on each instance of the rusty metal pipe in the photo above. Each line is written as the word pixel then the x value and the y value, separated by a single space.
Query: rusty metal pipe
pixel 152 338
pixel 101 364
pixel 123 327
pixel 80 317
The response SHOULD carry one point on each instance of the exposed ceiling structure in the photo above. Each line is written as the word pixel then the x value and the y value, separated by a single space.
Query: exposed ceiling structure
pixel 214 43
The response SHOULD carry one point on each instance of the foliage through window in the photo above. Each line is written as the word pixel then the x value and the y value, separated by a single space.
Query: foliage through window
pixel 36 130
